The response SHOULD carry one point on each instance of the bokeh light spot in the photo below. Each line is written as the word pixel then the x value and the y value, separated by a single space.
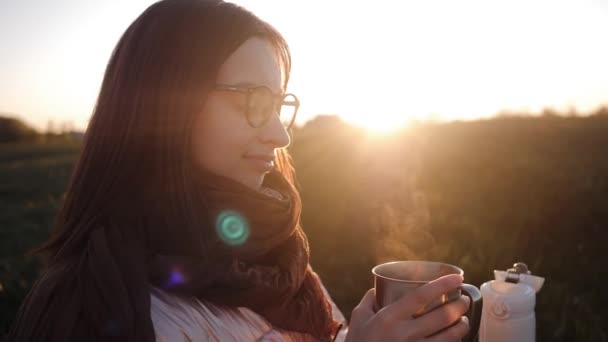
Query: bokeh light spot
pixel 175 278
pixel 232 228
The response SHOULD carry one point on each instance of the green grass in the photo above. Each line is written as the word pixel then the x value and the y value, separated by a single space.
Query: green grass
pixel 480 195
pixel 33 180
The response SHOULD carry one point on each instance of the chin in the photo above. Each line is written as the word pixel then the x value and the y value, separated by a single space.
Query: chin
pixel 253 182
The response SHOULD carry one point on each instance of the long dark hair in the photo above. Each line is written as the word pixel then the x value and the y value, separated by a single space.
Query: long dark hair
pixel 135 172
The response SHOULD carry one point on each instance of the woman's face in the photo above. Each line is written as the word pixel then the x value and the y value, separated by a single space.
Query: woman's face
pixel 223 141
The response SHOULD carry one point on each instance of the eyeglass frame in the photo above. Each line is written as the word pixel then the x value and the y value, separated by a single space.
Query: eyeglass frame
pixel 249 90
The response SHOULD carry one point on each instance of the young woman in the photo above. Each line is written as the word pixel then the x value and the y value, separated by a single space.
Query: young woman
pixel 181 221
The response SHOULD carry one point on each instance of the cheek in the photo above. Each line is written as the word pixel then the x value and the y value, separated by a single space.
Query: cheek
pixel 218 140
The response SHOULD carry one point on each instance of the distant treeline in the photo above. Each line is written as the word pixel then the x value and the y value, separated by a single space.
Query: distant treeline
pixel 13 130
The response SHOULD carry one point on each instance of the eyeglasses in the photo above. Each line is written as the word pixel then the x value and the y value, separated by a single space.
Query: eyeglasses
pixel 262 103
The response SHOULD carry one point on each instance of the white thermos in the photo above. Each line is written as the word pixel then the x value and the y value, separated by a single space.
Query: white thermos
pixel 507 314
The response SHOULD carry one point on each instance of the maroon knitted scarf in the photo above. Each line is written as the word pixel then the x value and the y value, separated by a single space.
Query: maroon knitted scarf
pixel 259 257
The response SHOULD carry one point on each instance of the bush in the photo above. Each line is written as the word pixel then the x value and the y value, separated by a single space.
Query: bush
pixel 14 130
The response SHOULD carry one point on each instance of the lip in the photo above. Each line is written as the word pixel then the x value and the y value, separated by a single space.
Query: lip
pixel 261 162
pixel 265 157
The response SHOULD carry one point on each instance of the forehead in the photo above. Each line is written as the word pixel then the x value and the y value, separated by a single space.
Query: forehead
pixel 252 63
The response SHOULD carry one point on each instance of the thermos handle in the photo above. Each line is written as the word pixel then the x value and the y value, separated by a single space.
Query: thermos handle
pixel 474 312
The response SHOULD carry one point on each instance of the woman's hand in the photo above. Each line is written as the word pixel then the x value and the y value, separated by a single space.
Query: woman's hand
pixel 395 322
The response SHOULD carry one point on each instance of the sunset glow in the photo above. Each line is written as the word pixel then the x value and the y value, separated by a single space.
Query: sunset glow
pixel 380 64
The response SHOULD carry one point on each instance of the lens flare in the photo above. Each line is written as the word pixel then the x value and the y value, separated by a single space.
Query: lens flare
pixel 232 228
pixel 175 278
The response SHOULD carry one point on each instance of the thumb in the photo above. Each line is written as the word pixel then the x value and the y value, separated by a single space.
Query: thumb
pixel 365 309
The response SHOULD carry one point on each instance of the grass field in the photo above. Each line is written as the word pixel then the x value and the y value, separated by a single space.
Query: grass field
pixel 480 195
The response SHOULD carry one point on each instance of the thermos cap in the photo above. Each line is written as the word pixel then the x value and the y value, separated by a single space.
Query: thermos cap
pixel 520 274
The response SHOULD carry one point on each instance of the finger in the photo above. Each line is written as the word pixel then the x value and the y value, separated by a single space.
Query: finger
pixel 442 317
pixel 453 333
pixel 417 299
pixel 365 309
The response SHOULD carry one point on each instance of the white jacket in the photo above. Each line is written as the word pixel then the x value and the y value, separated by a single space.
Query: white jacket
pixel 176 319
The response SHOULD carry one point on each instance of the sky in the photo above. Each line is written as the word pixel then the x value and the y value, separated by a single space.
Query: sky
pixel 377 63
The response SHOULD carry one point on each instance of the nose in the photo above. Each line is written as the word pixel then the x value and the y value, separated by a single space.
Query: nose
pixel 273 132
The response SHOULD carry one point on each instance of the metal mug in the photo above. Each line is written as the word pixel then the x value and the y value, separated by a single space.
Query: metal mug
pixel 394 279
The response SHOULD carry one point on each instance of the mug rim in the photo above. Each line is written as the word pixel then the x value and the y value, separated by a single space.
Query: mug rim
pixel 375 272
